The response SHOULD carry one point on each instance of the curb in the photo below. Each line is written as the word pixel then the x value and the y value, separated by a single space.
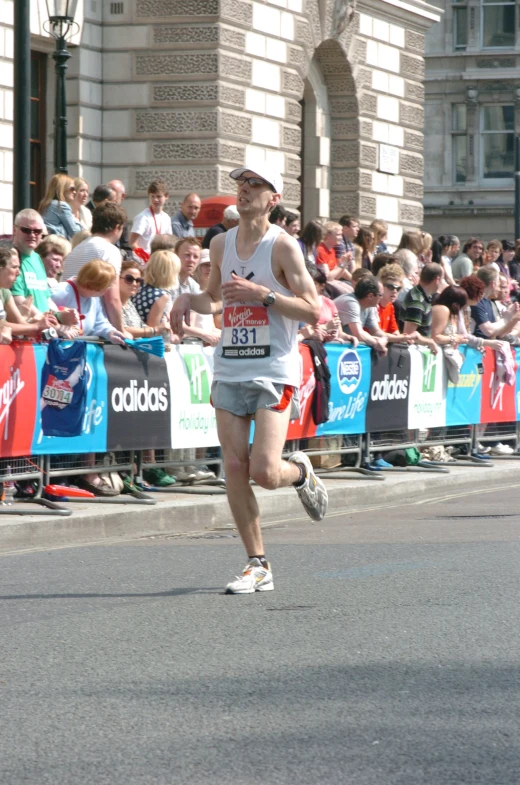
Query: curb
pixel 185 515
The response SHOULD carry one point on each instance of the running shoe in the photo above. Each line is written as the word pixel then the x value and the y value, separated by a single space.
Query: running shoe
pixel 380 463
pixel 313 494
pixel 255 577
pixel 482 450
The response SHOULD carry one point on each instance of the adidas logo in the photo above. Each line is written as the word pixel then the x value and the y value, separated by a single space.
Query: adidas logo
pixel 139 399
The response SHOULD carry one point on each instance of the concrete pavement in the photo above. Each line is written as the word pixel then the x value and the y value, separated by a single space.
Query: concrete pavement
pixel 180 513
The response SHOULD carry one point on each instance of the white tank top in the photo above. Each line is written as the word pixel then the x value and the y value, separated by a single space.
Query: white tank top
pixel 256 342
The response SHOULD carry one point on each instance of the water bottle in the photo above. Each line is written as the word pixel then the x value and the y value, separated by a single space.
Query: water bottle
pixel 9 489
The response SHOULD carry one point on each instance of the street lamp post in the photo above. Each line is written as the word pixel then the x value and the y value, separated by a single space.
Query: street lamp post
pixel 59 25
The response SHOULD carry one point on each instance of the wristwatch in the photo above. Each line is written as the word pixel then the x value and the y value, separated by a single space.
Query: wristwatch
pixel 270 299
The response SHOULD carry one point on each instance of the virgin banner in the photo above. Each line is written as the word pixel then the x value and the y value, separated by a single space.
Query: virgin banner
pixel 139 401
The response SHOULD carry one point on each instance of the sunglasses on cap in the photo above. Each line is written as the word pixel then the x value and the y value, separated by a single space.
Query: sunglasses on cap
pixel 130 279
pixel 26 230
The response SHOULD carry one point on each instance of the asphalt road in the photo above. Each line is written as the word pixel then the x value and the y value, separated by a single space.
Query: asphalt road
pixel 388 653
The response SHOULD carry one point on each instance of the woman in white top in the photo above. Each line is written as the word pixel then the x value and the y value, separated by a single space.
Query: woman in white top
pixel 79 207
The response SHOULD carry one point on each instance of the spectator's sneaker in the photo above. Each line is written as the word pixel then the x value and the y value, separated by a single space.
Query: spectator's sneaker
pixel 380 463
pixel 501 449
pixel 482 450
pixel 313 494
pixel 158 478
pixel 203 474
pixel 187 474
pixel 255 577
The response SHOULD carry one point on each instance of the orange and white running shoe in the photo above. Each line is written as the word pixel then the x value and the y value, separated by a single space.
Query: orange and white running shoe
pixel 255 577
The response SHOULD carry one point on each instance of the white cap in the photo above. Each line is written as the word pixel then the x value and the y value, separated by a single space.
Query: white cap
pixel 270 176
pixel 231 213
pixel 204 256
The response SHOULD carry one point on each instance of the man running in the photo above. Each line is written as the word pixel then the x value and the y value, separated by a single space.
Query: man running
pixel 259 280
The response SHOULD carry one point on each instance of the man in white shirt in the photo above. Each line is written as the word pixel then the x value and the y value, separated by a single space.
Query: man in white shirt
pixel 108 221
pixel 153 220
pixel 188 250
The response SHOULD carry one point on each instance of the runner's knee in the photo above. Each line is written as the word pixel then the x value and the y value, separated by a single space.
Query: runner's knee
pixel 266 475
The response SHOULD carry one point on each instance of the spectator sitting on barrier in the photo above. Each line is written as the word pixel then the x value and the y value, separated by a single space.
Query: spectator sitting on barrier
pixel 309 240
pixel 15 323
pixel 358 313
pixel 55 207
pixel 328 328
pixel 391 276
pixel 84 292
pixel 52 251
pixel 153 299
pixel 417 306
pixel 408 261
pixel 486 324
pixel 207 323
pixel 108 221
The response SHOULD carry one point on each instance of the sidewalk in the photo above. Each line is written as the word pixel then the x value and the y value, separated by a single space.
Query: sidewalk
pixel 189 514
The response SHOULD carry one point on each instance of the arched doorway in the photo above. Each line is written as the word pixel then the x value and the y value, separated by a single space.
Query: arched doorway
pixel 330 136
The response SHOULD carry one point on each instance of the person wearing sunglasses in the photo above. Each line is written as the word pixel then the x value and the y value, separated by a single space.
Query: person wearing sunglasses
pixel 130 280
pixel 56 207
pixel 391 278
pixel 259 279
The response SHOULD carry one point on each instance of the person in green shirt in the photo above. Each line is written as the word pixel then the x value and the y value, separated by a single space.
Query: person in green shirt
pixel 32 281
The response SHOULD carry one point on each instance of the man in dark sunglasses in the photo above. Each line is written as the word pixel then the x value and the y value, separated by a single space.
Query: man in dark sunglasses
pixel 32 281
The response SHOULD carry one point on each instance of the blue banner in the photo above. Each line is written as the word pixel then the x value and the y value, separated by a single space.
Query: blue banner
pixel 94 432
pixel 350 371
pixel 463 399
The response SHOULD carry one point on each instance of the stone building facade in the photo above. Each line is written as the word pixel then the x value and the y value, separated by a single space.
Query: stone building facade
pixel 328 91
pixel 472 115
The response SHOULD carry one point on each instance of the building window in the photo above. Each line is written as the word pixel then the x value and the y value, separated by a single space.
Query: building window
pixel 498 24
pixel 498 142
pixel 459 146
pixel 37 182
pixel 460 25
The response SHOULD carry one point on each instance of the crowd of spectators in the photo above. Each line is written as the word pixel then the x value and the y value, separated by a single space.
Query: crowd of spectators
pixel 79 255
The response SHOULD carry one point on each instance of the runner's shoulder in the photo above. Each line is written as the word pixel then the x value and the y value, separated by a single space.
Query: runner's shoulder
pixel 286 248
pixel 216 247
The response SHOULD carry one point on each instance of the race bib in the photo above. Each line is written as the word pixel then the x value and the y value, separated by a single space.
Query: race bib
pixel 245 332
pixel 57 392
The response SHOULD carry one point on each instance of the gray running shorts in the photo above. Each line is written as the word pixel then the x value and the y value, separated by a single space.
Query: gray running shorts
pixel 245 398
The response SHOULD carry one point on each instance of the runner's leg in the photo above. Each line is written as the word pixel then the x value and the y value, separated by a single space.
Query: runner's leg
pixel 233 434
pixel 266 465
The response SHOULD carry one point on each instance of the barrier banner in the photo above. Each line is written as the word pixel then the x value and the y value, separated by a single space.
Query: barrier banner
pixel 350 385
pixel 387 407
pixel 93 437
pixel 463 399
pixel 304 426
pixel 498 399
pixel 18 397
pixel 427 397
pixel 193 422
pixel 138 399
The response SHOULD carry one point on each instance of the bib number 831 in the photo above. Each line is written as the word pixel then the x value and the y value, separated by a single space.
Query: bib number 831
pixel 243 335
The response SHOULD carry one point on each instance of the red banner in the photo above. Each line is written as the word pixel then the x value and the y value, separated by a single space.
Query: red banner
pixel 498 399
pixel 18 399
pixel 304 426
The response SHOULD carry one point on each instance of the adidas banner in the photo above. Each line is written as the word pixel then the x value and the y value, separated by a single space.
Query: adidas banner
pixel 132 400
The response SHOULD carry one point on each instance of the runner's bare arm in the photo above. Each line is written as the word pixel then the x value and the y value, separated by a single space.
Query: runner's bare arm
pixel 208 302
pixel 289 269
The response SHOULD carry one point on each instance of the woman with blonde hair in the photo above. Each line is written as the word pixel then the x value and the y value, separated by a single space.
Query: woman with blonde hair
pixel 153 301
pixel 380 230
pixel 79 207
pixel 56 207
pixel 84 292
